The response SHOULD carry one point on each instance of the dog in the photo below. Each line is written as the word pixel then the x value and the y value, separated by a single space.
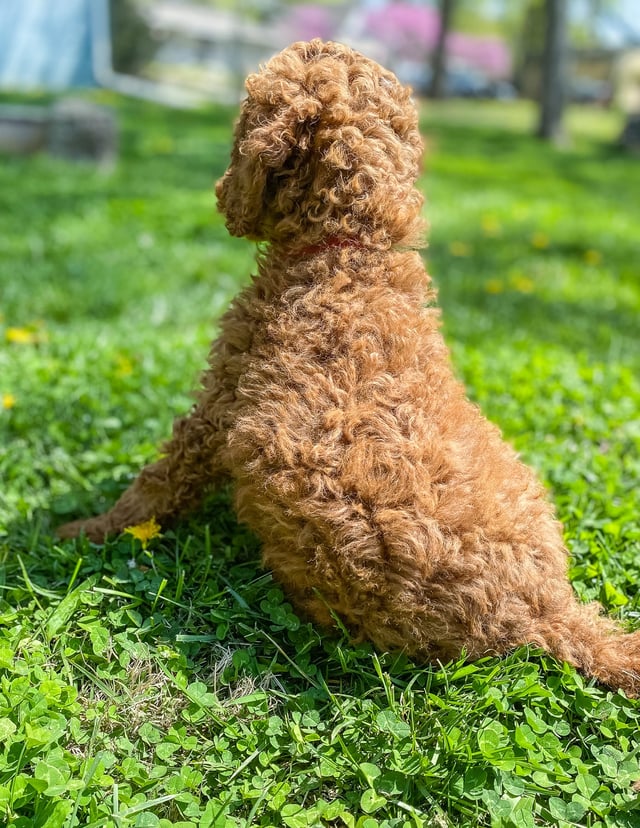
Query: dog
pixel 380 494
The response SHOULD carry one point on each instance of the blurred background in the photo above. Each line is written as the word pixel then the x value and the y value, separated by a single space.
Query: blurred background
pixel 183 53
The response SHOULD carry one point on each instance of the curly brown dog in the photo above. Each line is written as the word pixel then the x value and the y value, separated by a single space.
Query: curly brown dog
pixel 380 493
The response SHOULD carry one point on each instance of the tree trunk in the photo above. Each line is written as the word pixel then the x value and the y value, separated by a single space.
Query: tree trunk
pixel 439 59
pixel 554 72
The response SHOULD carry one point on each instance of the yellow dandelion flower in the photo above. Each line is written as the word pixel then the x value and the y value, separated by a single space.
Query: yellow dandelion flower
pixel 8 401
pixel 522 284
pixel 124 366
pixel 458 248
pixel 592 257
pixel 20 336
pixel 144 532
pixel 491 226
pixel 540 241
pixel 494 286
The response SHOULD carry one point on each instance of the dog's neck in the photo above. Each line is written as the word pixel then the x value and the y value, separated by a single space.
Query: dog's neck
pixel 331 242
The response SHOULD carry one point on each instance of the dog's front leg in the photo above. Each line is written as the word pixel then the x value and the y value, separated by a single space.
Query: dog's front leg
pixel 192 462
pixel 176 483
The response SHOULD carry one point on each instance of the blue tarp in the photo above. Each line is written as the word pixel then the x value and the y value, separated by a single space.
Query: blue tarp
pixel 45 44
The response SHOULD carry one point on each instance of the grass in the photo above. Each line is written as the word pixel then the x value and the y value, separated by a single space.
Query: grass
pixel 174 685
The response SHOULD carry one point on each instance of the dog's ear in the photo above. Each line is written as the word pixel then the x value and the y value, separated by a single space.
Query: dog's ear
pixel 283 121
pixel 271 136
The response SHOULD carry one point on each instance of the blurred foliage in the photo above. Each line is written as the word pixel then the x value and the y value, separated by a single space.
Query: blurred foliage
pixel 131 43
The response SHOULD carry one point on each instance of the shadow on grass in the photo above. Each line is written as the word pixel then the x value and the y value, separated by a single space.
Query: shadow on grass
pixel 471 314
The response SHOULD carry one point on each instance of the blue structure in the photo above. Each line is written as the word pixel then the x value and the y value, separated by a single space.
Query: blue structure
pixel 45 44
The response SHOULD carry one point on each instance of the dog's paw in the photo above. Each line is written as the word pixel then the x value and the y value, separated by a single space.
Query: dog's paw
pixel 96 529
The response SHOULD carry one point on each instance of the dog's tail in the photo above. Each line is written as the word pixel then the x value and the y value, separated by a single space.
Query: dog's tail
pixel 597 646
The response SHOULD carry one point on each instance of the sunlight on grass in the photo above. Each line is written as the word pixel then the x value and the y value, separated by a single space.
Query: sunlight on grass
pixel 582 122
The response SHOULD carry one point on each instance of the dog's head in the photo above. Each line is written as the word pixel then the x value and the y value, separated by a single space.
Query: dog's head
pixel 327 144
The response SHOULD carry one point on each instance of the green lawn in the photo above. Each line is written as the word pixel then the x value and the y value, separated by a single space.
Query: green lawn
pixel 175 686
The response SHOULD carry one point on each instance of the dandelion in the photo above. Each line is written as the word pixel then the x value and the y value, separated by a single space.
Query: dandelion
pixel 540 241
pixel 592 257
pixel 124 366
pixel 8 401
pixel 461 249
pixel 144 532
pixel 494 286
pixel 522 283
pixel 491 226
pixel 20 336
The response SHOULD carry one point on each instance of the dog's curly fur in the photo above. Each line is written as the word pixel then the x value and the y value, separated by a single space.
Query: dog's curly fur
pixel 378 490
